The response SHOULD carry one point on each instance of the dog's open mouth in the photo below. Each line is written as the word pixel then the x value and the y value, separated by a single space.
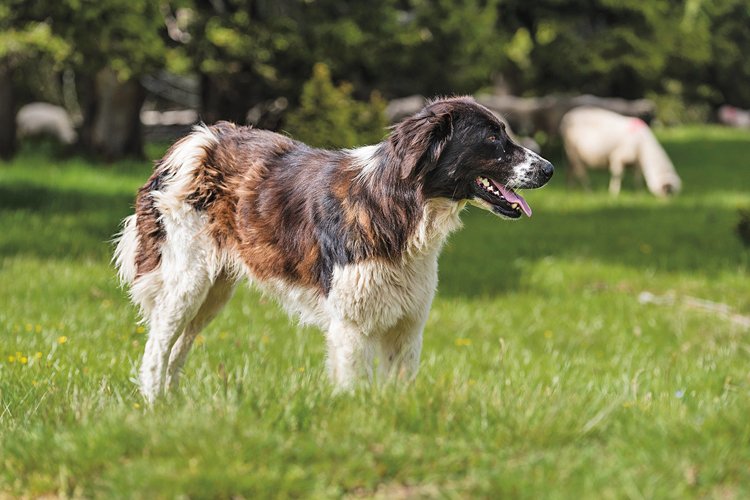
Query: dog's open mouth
pixel 504 200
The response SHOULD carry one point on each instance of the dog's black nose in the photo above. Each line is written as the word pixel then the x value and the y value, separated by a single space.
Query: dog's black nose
pixel 547 169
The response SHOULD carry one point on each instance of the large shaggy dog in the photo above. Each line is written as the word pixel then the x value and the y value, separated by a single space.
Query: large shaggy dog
pixel 347 240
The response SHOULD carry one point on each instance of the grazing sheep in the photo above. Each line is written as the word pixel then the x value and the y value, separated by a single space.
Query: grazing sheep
pixel 597 138
pixel 734 117
pixel 41 118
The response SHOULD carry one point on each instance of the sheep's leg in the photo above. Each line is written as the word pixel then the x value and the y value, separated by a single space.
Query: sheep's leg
pixel 616 169
pixel 576 172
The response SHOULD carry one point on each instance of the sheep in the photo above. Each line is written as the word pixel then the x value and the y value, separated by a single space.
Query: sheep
pixel 41 118
pixel 597 138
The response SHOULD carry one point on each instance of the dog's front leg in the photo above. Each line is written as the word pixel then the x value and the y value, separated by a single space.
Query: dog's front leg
pixel 350 354
pixel 400 350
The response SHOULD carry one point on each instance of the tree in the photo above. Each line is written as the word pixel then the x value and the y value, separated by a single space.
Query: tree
pixel 108 61
pixel 24 43
pixel 728 67
pixel 249 51
pixel 604 47
pixel 329 117
pixel 245 52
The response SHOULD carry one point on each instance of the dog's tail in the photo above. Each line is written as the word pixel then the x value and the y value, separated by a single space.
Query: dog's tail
pixel 138 246
pixel 126 249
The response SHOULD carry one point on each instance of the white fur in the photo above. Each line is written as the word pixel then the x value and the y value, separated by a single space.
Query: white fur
pixel 126 247
pixel 181 163
pixel 364 160
pixel 376 308
pixel 523 173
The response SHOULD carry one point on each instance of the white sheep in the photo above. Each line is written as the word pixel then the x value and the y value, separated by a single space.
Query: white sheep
pixel 41 118
pixel 597 138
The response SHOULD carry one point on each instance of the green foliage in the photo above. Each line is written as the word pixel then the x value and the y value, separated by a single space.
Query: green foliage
pixel 460 47
pixel 27 44
pixel 542 373
pixel 258 50
pixel 124 35
pixel 674 107
pixel 630 49
pixel 87 35
pixel 605 48
pixel 329 117
pixel 34 40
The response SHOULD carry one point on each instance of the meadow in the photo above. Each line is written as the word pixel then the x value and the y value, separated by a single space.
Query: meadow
pixel 543 375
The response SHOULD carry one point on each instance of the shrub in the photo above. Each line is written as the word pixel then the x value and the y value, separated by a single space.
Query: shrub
pixel 330 117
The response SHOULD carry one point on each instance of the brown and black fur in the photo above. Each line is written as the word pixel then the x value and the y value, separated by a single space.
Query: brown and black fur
pixel 295 212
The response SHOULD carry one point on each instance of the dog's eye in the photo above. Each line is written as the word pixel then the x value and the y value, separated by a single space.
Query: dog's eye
pixel 493 138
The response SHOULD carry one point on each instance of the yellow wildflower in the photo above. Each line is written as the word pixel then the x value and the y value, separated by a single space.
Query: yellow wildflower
pixel 62 339
pixel 463 342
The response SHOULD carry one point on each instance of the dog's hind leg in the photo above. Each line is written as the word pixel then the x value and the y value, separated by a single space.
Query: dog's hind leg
pixel 185 276
pixel 173 309
pixel 219 294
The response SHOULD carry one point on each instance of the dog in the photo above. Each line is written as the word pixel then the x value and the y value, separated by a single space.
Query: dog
pixel 597 138
pixel 347 240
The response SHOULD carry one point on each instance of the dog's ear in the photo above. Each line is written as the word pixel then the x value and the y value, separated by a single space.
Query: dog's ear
pixel 418 141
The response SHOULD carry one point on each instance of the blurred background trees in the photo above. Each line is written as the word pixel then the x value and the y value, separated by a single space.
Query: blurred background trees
pixel 94 56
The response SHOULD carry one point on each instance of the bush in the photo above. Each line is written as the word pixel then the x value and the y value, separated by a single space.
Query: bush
pixel 330 117
pixel 674 107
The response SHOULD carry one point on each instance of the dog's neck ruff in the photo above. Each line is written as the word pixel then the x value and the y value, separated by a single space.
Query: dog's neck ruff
pixel 440 217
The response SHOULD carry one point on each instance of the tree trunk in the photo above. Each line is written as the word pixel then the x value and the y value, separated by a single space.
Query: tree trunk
pixel 86 93
pixel 7 115
pixel 115 126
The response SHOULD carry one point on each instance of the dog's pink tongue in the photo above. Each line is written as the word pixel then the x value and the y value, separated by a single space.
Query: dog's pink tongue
pixel 514 197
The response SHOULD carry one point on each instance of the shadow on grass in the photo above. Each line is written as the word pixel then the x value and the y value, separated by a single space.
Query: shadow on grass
pixel 35 198
pixel 488 256
pixel 58 223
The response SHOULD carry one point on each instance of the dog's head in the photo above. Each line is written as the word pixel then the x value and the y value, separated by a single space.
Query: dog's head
pixel 458 149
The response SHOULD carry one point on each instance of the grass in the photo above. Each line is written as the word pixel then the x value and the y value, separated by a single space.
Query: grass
pixel 542 375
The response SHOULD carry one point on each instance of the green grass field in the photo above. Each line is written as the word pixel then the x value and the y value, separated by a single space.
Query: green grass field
pixel 542 375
